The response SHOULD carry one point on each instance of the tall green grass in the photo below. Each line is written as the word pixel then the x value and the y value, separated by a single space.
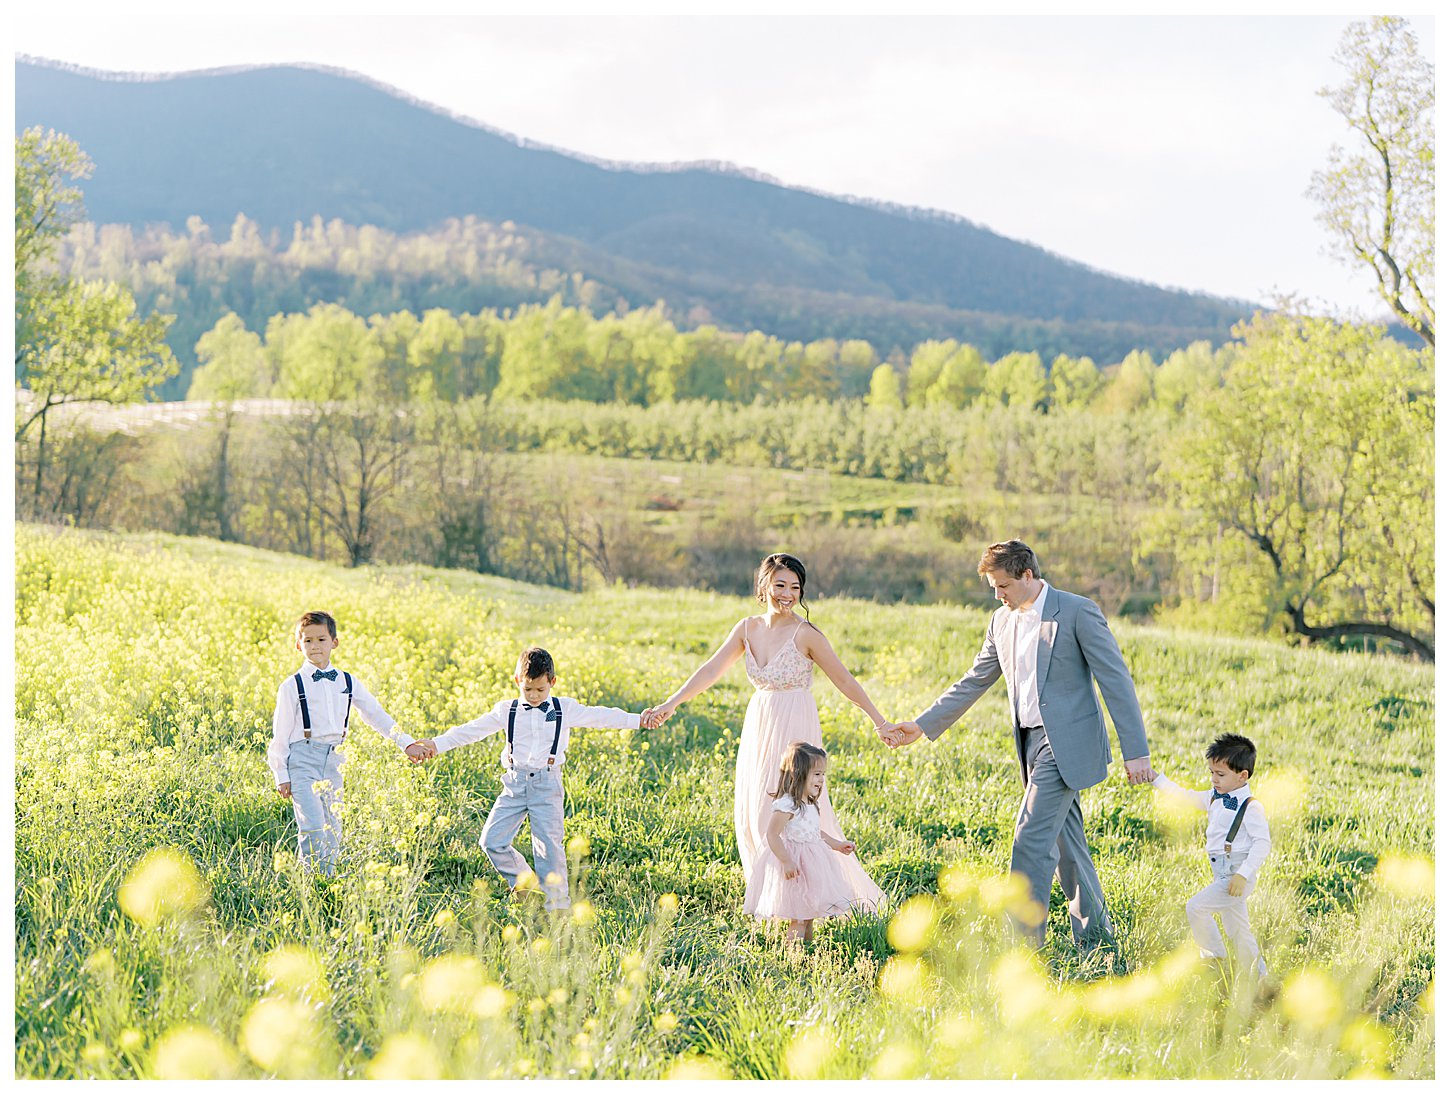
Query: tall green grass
pixel 146 669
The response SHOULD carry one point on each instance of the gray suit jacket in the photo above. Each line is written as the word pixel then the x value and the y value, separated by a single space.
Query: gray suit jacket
pixel 1074 648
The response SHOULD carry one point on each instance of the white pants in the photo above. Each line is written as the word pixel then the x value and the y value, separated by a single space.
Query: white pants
pixel 1234 912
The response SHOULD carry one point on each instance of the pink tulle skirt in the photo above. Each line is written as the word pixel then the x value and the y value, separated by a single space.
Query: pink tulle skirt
pixel 820 888
pixel 772 721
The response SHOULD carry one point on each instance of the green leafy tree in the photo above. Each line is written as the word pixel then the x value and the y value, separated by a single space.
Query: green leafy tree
pixel 1315 455
pixel 87 345
pixel 1130 385
pixel 1073 382
pixel 855 364
pixel 46 205
pixel 927 360
pixel 233 367
pixel 960 380
pixel 329 354
pixel 1378 200
pixel 233 364
pixel 1017 380
pixel 1187 372
pixel 885 393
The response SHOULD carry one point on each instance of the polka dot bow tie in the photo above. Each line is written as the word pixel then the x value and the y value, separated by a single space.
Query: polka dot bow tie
pixel 1228 800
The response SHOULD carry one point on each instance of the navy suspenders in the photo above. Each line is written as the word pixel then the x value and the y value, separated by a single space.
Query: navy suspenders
pixel 307 717
pixel 1233 830
pixel 558 728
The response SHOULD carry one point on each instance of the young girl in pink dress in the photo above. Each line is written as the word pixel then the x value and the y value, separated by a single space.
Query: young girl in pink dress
pixel 801 874
pixel 781 652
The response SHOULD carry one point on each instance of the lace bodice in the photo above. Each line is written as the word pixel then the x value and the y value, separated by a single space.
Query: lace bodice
pixel 804 825
pixel 788 670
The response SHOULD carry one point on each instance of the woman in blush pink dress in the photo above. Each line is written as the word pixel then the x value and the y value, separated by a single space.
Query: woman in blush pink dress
pixel 781 651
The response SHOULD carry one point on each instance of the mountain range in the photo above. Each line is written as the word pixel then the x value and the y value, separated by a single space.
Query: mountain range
pixel 284 144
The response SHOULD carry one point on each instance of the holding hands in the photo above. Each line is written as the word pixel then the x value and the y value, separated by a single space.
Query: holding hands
pixel 1139 770
pixel 897 734
pixel 654 717
pixel 421 750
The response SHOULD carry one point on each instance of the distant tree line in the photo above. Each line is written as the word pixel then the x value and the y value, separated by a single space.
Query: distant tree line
pixel 471 266
pixel 559 352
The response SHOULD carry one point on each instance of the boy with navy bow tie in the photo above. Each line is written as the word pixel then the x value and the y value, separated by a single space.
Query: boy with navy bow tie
pixel 1238 844
pixel 536 727
pixel 309 723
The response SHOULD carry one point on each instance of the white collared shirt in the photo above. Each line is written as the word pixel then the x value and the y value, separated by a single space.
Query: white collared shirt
pixel 1253 834
pixel 533 733
pixel 1026 625
pixel 326 708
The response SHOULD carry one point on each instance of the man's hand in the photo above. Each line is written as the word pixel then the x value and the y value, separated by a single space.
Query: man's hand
pixel 1139 770
pixel 1236 884
pixel 285 790
pixel 421 750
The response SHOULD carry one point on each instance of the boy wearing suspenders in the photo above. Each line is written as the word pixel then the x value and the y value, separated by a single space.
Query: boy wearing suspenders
pixel 1238 844
pixel 309 723
pixel 536 728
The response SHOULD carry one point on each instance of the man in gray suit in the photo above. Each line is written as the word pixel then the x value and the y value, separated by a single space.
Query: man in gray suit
pixel 1050 646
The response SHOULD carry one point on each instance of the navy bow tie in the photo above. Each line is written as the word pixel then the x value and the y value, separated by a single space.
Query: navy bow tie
pixel 1228 800
pixel 330 674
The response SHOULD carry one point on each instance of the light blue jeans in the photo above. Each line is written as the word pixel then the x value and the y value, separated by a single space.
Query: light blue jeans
pixel 536 794
pixel 316 774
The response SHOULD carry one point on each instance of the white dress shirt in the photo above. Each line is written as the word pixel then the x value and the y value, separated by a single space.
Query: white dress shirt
pixel 533 735
pixel 326 707
pixel 1026 629
pixel 1253 834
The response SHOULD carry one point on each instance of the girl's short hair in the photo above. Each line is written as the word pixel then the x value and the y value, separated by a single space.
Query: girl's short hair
pixel 795 768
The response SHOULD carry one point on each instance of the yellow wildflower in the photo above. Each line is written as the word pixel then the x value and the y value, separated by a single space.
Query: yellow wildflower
pixel 164 883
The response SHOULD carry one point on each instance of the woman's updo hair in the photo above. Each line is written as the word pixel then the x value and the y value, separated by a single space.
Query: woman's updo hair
pixel 766 574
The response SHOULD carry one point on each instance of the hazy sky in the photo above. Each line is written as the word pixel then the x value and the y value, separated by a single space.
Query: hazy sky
pixel 1172 149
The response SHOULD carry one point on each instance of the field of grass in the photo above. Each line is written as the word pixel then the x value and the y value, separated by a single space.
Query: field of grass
pixel 163 929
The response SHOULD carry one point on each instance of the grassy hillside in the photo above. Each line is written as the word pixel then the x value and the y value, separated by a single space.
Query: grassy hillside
pixel 145 672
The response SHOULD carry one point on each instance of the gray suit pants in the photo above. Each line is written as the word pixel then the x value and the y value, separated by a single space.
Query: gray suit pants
pixel 315 771
pixel 538 795
pixel 1050 837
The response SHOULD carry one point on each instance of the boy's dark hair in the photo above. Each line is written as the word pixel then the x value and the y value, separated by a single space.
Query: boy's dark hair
pixel 1012 556
pixel 307 619
pixel 536 662
pixel 1235 750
